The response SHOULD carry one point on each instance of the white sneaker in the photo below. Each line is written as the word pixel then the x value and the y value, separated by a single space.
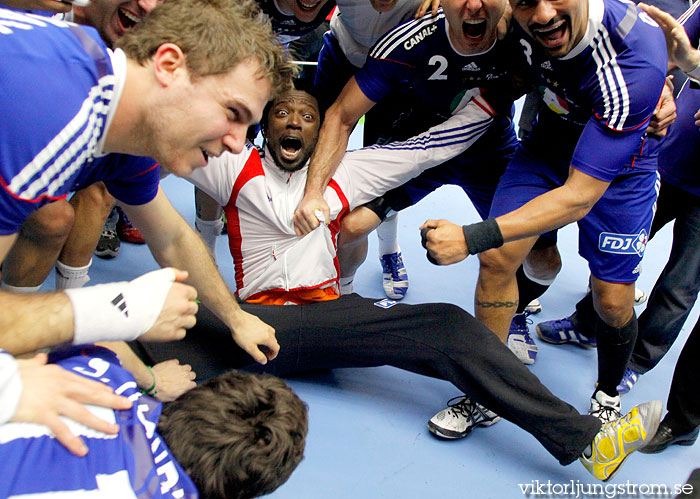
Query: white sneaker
pixel 605 407
pixel 394 276
pixel 460 417
pixel 520 341
pixel 534 307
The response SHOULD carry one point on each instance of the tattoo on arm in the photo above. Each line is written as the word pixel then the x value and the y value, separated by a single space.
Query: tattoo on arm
pixel 497 304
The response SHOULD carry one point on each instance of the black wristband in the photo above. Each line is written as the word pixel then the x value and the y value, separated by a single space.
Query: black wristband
pixel 424 241
pixel 482 236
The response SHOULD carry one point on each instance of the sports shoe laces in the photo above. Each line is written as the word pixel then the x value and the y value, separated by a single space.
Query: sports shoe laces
pixel 522 320
pixel 108 233
pixel 607 413
pixel 562 324
pixel 393 264
pixel 465 407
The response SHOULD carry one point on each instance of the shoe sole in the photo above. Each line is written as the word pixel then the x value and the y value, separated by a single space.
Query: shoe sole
pixel 656 419
pixel 456 435
pixel 107 255
pixel 562 342
pixel 657 450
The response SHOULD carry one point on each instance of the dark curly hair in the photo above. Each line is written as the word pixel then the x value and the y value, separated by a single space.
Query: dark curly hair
pixel 238 435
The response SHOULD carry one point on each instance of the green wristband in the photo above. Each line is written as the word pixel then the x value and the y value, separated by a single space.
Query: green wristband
pixel 152 390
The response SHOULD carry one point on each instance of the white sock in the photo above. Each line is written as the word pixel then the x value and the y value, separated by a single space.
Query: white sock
pixel 68 277
pixel 20 289
pixel 209 230
pixel 346 284
pixel 387 235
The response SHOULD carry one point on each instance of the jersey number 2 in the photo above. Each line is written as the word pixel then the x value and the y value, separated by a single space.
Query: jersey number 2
pixel 441 63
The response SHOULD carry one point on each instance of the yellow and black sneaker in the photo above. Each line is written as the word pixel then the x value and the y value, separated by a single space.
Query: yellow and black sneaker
pixel 616 440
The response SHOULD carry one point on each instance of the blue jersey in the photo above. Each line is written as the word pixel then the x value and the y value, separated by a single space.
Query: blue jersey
pixel 134 463
pixel 289 28
pixel 605 89
pixel 680 148
pixel 58 93
pixel 418 59
pixel 691 23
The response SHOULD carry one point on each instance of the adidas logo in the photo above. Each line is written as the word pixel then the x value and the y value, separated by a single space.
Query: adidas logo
pixel 120 303
pixel 546 65
pixel 471 67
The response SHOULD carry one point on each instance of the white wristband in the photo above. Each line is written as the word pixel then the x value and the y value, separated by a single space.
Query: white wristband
pixel 694 74
pixel 10 386
pixel 119 311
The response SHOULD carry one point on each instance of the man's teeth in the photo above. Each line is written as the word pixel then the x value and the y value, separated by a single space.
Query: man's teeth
pixel 129 15
pixel 308 5
pixel 549 30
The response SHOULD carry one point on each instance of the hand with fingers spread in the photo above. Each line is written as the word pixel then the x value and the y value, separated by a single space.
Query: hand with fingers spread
pixel 444 241
pixel 250 333
pixel 305 217
pixel 680 50
pixel 49 391
pixel 434 5
pixel 172 379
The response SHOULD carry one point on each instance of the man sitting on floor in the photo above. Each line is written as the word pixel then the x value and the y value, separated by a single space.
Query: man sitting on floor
pixel 238 435
pixel 274 266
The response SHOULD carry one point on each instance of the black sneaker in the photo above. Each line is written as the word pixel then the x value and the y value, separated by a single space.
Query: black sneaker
pixel 108 245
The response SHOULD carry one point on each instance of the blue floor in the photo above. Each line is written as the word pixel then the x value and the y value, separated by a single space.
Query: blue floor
pixel 368 436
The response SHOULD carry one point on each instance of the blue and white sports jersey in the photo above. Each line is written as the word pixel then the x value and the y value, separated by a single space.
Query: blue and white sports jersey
pixel 135 463
pixel 58 92
pixel 607 87
pixel 680 148
pixel 691 23
pixel 287 27
pixel 418 58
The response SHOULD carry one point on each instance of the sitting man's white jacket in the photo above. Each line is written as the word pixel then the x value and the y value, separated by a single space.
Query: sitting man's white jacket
pixel 259 199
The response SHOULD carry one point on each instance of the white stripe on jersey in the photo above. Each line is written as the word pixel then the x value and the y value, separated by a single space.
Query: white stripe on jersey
pixel 611 80
pixel 88 121
pixel 684 17
pixel 442 138
pixel 401 34
pixel 14 431
pixel 19 20
pixel 117 486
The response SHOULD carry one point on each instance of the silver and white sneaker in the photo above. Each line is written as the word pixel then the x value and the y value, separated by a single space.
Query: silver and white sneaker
pixel 639 296
pixel 534 307
pixel 460 417
pixel 605 407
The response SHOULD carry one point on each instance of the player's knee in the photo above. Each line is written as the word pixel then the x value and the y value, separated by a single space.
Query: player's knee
pixel 97 198
pixel 356 226
pixel 543 264
pixel 51 222
pixel 497 263
pixel 614 309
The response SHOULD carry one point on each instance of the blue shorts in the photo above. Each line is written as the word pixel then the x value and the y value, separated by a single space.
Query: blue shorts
pixel 333 71
pixel 613 235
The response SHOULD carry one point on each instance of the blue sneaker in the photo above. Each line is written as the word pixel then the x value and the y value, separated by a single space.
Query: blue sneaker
pixel 562 331
pixel 394 276
pixel 519 340
pixel 628 380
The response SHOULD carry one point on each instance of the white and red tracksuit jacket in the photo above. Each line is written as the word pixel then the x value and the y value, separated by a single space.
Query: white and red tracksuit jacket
pixel 259 199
